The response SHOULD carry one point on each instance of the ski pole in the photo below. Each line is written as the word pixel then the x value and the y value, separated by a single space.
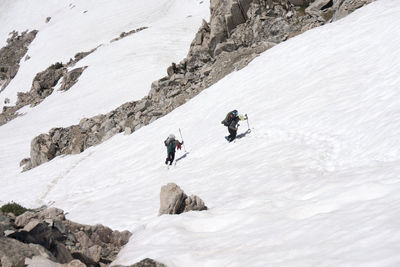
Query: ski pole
pixel 247 119
pixel 182 140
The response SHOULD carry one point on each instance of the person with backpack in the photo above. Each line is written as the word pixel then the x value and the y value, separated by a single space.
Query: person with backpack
pixel 171 145
pixel 232 122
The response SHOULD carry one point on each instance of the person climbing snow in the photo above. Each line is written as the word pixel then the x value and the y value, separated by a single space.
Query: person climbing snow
pixel 232 122
pixel 171 145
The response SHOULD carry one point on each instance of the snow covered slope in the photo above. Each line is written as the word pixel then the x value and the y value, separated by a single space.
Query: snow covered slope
pixel 316 182
pixel 117 72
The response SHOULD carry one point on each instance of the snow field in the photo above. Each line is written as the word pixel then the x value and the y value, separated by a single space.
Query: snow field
pixel 315 183
pixel 117 72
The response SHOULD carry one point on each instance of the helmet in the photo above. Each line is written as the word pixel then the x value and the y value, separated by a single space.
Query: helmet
pixel 235 112
pixel 171 136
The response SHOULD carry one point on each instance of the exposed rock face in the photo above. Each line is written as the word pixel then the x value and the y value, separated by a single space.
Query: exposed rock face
pixel 43 85
pixel 45 232
pixel 174 201
pixel 71 77
pixel 125 34
pixel 11 55
pixel 239 30
pixel 14 252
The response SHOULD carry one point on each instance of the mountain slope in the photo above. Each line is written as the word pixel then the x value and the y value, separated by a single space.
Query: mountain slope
pixel 315 183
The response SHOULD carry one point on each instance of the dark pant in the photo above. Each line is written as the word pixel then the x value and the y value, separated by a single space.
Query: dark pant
pixel 232 134
pixel 170 158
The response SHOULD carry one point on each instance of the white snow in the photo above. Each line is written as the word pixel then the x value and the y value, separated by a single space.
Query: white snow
pixel 315 183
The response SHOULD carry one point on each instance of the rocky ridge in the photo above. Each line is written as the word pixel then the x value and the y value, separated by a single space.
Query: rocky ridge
pixel 125 34
pixel 12 53
pixel 238 31
pixel 46 234
pixel 43 85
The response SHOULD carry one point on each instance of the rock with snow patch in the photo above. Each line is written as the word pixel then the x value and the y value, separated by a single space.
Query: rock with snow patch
pixel 174 201
pixel 11 55
pixel 71 77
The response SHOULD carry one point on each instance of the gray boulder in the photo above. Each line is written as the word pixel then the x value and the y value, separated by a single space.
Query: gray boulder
pixel 14 252
pixel 174 201
pixel 24 218
pixel 194 203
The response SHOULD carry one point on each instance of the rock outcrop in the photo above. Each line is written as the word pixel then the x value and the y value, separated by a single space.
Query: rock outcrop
pixel 238 31
pixel 46 233
pixel 174 201
pixel 11 55
pixel 125 34
pixel 43 85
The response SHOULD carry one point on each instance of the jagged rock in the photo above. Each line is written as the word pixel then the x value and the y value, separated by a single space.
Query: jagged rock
pixel 51 239
pixel 124 34
pixel 63 239
pixel 24 218
pixel 194 203
pixel 43 86
pixel 52 213
pixel 120 238
pixel 94 253
pixel 6 224
pixel 31 225
pixel 11 55
pixel 44 82
pixel 344 8
pixel 48 19
pixel 14 252
pixel 60 227
pixel 42 150
pixel 174 201
pixel 71 77
pixel 83 239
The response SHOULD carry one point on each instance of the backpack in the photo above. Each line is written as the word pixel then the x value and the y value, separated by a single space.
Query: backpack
pixel 228 119
pixel 168 140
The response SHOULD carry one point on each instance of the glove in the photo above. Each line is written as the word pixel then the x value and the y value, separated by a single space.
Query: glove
pixel 179 146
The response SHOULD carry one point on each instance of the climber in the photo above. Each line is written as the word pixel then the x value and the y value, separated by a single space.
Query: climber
pixel 232 122
pixel 171 145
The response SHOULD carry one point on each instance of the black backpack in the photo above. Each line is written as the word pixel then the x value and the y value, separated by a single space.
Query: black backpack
pixel 228 119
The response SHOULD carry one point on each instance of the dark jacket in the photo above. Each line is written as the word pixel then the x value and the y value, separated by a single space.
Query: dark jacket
pixel 171 145
pixel 233 124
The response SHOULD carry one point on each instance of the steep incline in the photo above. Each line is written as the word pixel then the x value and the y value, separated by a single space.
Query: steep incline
pixel 315 183
pixel 117 71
